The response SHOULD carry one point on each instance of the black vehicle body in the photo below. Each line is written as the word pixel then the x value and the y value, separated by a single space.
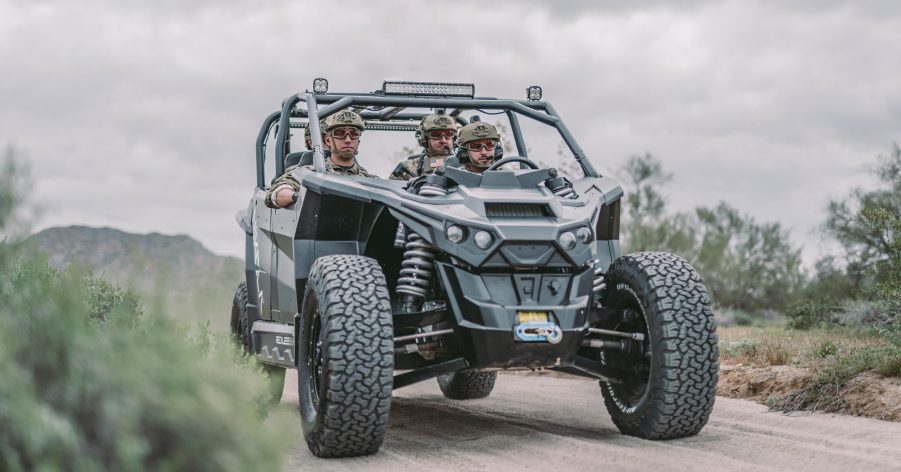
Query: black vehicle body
pixel 530 299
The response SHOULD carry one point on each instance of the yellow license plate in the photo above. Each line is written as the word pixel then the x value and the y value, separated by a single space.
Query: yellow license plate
pixel 529 316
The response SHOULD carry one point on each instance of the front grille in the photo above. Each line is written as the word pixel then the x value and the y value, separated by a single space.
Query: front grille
pixel 516 210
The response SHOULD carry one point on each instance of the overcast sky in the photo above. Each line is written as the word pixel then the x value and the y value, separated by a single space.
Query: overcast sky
pixel 143 115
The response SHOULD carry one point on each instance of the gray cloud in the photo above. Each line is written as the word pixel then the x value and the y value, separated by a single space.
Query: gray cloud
pixel 143 115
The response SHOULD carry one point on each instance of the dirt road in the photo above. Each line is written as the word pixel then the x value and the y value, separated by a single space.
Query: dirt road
pixel 545 423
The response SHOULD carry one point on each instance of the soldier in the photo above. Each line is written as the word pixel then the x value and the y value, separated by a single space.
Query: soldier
pixel 436 136
pixel 308 136
pixel 479 145
pixel 342 137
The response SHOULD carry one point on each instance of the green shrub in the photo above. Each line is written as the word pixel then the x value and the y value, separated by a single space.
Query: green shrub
pixel 826 348
pixel 107 302
pixel 743 348
pixel 90 383
pixel 890 365
pixel 817 313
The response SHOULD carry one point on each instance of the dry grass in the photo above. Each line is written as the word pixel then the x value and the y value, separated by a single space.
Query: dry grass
pixel 765 346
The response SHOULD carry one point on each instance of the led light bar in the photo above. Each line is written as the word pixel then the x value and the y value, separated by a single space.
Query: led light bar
pixel 440 89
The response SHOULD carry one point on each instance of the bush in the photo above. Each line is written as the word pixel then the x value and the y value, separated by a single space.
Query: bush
pixel 826 348
pixel 890 365
pixel 90 383
pixel 743 349
pixel 824 393
pixel 808 314
pixel 866 313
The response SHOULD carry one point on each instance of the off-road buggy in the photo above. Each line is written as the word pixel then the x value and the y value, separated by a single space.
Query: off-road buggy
pixel 367 285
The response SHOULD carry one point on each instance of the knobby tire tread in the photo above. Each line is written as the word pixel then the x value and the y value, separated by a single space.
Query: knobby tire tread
pixel 685 366
pixel 358 342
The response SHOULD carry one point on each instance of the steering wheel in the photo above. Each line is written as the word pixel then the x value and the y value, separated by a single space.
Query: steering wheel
pixel 507 160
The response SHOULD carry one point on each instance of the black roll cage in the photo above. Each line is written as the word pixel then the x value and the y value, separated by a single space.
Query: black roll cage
pixel 390 107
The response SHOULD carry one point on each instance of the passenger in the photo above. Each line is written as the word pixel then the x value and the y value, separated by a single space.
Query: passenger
pixel 342 137
pixel 308 138
pixel 478 146
pixel 436 136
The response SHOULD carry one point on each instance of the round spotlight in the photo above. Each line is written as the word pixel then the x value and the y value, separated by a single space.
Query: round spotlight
pixel 584 234
pixel 567 240
pixel 455 234
pixel 320 85
pixel 533 92
pixel 483 239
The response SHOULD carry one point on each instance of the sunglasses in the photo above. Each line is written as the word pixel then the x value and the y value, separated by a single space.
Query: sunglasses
pixel 442 133
pixel 342 133
pixel 486 145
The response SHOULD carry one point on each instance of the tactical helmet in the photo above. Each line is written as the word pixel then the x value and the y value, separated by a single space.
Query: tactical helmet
pixel 433 122
pixel 343 119
pixel 308 133
pixel 475 131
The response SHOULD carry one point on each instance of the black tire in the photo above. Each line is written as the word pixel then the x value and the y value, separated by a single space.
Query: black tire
pixel 467 384
pixel 240 325
pixel 345 362
pixel 670 393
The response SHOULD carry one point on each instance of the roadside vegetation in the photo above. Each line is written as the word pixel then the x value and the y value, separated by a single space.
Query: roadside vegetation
pixel 93 381
pixel 841 319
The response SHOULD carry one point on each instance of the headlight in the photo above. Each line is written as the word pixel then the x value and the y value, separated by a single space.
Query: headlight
pixel 483 239
pixel 567 240
pixel 455 234
pixel 584 234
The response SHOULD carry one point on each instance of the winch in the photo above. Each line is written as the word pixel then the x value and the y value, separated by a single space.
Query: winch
pixel 538 331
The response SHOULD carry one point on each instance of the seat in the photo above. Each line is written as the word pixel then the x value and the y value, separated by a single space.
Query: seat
pixel 295 158
pixel 304 158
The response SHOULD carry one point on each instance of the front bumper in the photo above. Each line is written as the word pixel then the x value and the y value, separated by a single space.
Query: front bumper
pixel 485 306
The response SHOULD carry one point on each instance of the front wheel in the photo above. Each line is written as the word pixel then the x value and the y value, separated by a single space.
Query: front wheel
pixel 345 357
pixel 669 391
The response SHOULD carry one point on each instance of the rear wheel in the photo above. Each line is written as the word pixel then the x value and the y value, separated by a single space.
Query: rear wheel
pixel 240 324
pixel 669 391
pixel 345 357
pixel 467 384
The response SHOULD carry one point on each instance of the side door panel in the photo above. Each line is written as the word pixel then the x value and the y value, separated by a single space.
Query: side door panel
pixel 284 280
pixel 262 252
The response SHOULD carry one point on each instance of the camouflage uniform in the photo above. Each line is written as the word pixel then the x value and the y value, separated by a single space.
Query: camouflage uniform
pixel 407 169
pixel 344 118
pixel 287 180
pixel 424 163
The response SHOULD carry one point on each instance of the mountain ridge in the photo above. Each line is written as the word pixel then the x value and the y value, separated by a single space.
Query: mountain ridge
pixel 191 281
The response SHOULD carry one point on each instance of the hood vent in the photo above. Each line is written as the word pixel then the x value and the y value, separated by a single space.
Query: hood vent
pixel 517 210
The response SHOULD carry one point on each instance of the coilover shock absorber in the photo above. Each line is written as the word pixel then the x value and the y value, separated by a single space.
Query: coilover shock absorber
pixel 600 282
pixel 416 272
pixel 417 266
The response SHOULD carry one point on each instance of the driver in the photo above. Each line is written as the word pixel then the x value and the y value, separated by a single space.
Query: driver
pixel 478 146
pixel 342 137
pixel 436 136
